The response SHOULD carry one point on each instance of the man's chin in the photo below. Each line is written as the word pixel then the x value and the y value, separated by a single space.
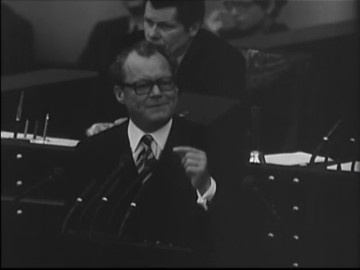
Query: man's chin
pixel 158 122
pixel 158 117
pixel 157 43
pixel 157 114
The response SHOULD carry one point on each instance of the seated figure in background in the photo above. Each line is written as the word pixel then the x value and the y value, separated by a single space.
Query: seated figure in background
pixel 17 42
pixel 107 39
pixel 110 36
pixel 245 18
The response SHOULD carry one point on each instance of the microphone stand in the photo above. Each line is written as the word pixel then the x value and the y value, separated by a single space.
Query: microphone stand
pixel 324 143
pixel 78 202
pixel 127 191
pixel 248 183
pixel 143 178
pixel 52 177
pixel 103 202
pixel 147 172
pixel 107 181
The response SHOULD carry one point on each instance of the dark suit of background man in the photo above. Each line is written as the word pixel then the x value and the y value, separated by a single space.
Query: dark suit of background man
pixel 17 42
pixel 174 204
pixel 110 36
pixel 207 64
pixel 107 39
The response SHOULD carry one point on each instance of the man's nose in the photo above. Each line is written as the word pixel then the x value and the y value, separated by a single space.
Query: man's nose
pixel 155 90
pixel 153 32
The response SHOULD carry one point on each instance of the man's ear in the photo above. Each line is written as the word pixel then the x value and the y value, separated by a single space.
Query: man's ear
pixel 194 29
pixel 119 94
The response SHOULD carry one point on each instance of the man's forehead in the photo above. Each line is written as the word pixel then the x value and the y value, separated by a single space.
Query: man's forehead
pixel 136 64
pixel 166 14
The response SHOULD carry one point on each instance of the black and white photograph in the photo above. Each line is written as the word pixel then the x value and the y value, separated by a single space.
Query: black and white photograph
pixel 180 134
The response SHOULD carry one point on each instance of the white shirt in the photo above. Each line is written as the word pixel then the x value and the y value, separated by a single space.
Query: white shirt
pixel 160 137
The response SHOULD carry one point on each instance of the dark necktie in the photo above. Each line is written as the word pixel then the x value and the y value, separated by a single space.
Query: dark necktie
pixel 146 155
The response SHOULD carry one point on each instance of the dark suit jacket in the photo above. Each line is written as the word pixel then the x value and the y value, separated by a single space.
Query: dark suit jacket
pixel 17 42
pixel 107 39
pixel 212 67
pixel 167 210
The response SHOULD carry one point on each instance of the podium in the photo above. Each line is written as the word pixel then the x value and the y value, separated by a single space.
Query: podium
pixel 32 237
pixel 30 250
pixel 31 227
pixel 312 215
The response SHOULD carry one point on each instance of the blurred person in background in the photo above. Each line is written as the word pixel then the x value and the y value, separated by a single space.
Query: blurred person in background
pixel 245 18
pixel 110 36
pixel 17 42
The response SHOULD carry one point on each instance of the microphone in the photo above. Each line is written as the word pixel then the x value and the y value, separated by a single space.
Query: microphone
pixel 324 142
pixel 122 163
pixel 52 178
pixel 348 154
pixel 353 162
pixel 79 201
pixel 256 155
pixel 18 114
pixel 141 179
pixel 106 197
pixel 131 187
pixel 255 126
pixel 248 183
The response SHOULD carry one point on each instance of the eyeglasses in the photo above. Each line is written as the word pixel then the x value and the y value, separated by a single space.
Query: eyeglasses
pixel 166 84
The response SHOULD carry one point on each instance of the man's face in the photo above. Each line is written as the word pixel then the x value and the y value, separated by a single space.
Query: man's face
pixel 162 28
pixel 247 14
pixel 153 110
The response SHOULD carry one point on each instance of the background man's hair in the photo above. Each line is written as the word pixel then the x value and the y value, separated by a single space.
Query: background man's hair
pixel 188 12
pixel 116 71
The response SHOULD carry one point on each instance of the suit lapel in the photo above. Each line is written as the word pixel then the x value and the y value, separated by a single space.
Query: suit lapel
pixel 118 146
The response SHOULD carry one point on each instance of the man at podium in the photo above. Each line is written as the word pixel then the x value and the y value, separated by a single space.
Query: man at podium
pixel 152 183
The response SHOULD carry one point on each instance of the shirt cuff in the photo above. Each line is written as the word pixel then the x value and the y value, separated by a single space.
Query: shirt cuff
pixel 208 195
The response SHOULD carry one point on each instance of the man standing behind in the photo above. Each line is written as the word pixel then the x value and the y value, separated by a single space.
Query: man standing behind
pixel 207 64
pixel 162 192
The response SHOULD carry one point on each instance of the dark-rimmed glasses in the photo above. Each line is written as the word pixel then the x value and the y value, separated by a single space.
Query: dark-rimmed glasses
pixel 166 84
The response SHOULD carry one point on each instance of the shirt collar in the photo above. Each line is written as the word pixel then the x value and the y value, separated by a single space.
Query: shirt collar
pixel 160 136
